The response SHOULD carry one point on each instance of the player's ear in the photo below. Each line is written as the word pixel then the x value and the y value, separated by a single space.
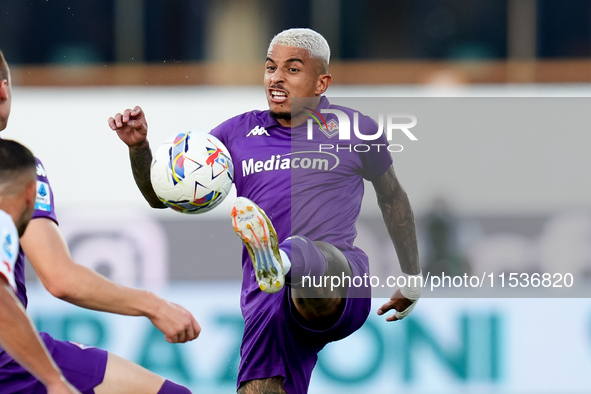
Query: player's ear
pixel 31 193
pixel 323 83
pixel 3 90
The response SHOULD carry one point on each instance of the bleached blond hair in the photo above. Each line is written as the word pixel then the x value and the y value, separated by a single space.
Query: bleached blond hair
pixel 308 39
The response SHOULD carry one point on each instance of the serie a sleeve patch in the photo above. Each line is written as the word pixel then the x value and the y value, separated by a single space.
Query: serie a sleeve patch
pixel 43 199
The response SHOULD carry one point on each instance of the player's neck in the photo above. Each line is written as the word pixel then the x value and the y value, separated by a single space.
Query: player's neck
pixel 293 122
pixel 302 114
pixel 284 122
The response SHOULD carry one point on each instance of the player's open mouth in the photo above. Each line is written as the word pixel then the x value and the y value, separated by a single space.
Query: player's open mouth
pixel 278 96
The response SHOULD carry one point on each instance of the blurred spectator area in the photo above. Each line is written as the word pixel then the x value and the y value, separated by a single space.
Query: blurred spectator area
pixel 139 42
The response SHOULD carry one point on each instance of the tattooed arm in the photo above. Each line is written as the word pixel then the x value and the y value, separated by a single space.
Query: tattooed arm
pixel 141 159
pixel 132 128
pixel 399 219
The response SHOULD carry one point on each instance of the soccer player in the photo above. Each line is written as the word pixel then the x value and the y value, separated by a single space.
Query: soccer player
pixel 296 218
pixel 89 369
pixel 17 202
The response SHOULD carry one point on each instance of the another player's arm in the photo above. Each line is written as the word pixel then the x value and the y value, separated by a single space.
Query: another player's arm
pixel 132 128
pixel 399 219
pixel 48 253
pixel 19 338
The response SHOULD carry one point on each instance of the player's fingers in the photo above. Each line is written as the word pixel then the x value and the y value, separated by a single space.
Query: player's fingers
pixel 187 331
pixel 118 120
pixel 391 304
pixel 397 302
pixel 189 335
pixel 136 111
pixel 171 338
pixel 111 123
pixel 126 115
pixel 181 337
pixel 136 124
pixel 191 328
pixel 386 307
pixel 196 328
pixel 402 312
pixel 392 318
pixel 402 304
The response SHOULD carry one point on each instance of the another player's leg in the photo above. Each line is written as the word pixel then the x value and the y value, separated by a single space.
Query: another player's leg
pixel 90 370
pixel 124 377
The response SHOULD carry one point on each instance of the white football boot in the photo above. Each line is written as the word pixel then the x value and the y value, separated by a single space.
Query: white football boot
pixel 256 231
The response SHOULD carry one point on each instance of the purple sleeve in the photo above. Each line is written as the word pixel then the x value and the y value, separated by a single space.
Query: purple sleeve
pixel 44 204
pixel 225 130
pixel 378 159
pixel 222 131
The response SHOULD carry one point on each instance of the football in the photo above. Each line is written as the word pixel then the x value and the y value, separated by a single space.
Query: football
pixel 192 172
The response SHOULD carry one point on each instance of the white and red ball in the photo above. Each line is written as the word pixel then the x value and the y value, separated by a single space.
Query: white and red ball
pixel 192 172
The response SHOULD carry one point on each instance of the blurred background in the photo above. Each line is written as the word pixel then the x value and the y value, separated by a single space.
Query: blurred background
pixel 376 41
pixel 514 201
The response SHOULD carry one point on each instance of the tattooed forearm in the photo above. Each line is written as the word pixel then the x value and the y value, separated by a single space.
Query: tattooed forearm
pixel 399 219
pixel 141 160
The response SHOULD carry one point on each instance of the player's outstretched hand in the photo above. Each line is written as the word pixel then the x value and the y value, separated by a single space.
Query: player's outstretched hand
pixel 398 302
pixel 62 387
pixel 176 323
pixel 131 126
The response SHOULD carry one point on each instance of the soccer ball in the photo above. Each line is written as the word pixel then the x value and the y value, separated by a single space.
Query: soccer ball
pixel 192 172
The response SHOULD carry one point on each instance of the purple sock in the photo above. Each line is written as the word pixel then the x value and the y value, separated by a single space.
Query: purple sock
pixel 306 259
pixel 172 388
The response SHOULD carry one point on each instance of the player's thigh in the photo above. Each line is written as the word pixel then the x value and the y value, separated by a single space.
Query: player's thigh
pixel 259 386
pixel 124 377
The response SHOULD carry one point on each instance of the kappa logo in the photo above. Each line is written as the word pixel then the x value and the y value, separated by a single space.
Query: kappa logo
pixel 41 170
pixel 258 131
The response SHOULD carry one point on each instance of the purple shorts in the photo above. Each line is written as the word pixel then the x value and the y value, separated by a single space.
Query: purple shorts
pixel 275 343
pixel 84 367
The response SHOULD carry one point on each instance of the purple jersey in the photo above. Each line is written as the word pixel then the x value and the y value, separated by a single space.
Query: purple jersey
pixel 44 208
pixel 297 186
pixel 84 367
pixel 304 191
